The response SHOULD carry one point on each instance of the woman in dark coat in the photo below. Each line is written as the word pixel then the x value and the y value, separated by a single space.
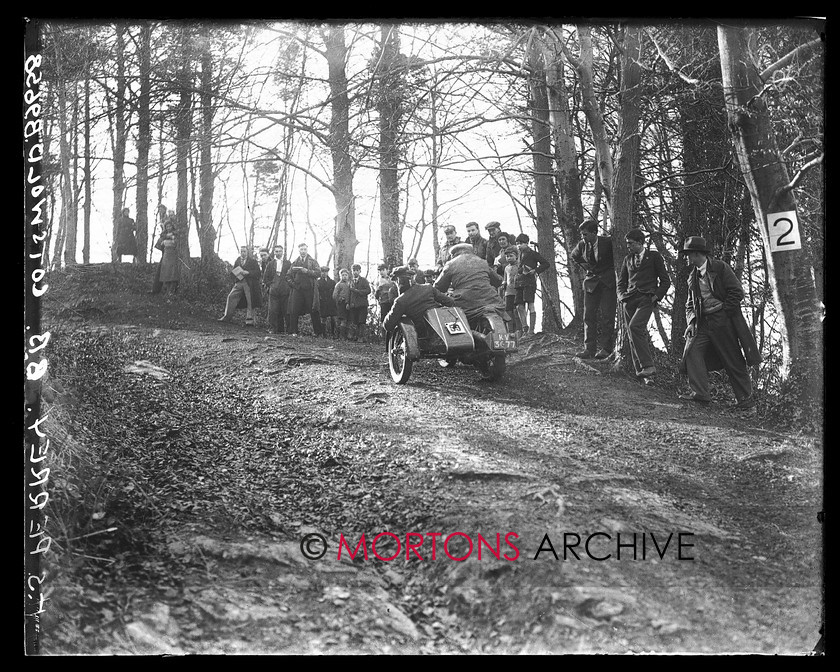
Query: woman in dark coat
pixel 170 270
pixel 126 241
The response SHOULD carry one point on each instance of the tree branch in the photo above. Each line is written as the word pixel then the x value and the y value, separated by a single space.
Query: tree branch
pixel 673 68
pixel 781 191
pixel 693 172
pixel 785 60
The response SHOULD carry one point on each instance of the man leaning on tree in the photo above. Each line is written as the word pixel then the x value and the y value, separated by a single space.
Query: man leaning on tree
pixel 594 254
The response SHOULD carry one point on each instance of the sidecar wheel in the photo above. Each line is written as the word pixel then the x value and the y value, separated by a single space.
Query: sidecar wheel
pixel 398 362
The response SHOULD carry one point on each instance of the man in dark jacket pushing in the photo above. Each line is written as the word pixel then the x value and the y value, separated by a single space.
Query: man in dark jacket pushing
pixel 414 299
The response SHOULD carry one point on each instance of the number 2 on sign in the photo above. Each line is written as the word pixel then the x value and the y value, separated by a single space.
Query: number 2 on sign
pixel 783 231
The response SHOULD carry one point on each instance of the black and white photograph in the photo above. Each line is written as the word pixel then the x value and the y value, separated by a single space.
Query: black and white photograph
pixel 424 336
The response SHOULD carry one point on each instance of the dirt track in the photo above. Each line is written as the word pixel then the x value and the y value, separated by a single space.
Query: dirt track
pixel 242 443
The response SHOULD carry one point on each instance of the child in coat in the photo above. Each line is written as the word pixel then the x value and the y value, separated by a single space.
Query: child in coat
pixel 341 296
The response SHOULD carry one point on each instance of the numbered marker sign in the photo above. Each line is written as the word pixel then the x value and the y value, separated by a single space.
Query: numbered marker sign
pixel 783 230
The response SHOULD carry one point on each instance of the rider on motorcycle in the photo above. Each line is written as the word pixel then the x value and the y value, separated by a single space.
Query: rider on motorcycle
pixel 471 283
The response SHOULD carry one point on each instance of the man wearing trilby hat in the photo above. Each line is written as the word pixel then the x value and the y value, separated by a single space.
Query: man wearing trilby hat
pixel 717 336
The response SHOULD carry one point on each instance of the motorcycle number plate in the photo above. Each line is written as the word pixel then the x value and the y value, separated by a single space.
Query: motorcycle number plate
pixel 454 327
pixel 504 342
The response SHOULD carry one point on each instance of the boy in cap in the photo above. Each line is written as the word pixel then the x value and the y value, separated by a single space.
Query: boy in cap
pixel 341 296
pixel 386 292
pixel 531 264
pixel 717 332
pixel 357 308
pixel 511 268
pixel 328 311
pixel 643 282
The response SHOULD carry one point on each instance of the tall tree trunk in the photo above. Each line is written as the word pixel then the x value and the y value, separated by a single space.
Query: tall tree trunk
pixel 436 152
pixel 207 231
pixel 541 156
pixel 119 139
pixel 702 128
pixel 339 141
pixel 183 130
pixel 790 273
pixel 567 177
pixel 391 86
pixel 74 215
pixel 88 177
pixel 627 151
pixel 594 116
pixel 626 162
pixel 143 142
pixel 67 225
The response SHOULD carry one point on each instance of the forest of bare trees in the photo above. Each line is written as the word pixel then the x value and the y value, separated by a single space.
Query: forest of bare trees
pixel 248 130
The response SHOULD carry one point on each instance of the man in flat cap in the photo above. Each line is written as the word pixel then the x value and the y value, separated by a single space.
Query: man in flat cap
pixel 493 249
pixel 414 299
pixel 643 282
pixel 451 240
pixel 717 336
pixel 471 282
pixel 594 254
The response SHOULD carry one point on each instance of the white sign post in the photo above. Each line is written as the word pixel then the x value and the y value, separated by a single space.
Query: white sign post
pixel 783 231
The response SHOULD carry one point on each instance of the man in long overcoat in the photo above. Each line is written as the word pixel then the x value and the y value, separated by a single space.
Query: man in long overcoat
pixel 126 241
pixel 717 336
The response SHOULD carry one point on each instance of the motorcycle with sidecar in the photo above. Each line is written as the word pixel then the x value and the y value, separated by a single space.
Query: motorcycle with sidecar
pixel 445 334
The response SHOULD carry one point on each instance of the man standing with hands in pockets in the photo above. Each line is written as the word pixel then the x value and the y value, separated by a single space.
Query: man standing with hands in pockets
pixel 717 336
pixel 642 283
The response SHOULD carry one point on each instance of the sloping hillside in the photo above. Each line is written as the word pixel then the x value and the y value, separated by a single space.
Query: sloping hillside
pixel 191 458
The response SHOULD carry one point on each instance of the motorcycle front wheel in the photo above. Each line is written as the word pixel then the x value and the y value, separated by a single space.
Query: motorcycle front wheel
pixel 398 362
